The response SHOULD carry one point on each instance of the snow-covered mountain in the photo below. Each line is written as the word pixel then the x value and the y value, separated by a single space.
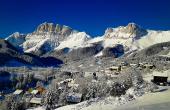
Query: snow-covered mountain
pixel 16 39
pixel 45 38
pixel 132 37
pixel 12 57
pixel 49 37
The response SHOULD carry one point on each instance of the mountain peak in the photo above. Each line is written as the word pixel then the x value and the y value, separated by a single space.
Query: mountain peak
pixel 52 28
pixel 46 27
pixel 132 30
pixel 16 39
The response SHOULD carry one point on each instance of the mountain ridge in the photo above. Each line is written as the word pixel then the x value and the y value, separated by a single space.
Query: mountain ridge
pixel 48 38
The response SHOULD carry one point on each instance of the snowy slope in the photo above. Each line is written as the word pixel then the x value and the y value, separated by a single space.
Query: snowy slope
pixel 16 39
pixel 37 46
pixel 35 42
pixel 134 39
pixel 153 37
pixel 74 41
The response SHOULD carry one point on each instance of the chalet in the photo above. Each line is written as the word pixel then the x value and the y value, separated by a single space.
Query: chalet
pixel 124 64
pixel 160 78
pixel 69 80
pixel 113 75
pixel 91 74
pixel 64 83
pixel 80 66
pixel 34 92
pixel 115 68
pixel 141 64
pixel 101 70
pixel 74 97
pixel 113 71
pixel 72 85
pixel 134 65
pixel 18 92
pixel 149 66
pixel 36 101
pixel 88 74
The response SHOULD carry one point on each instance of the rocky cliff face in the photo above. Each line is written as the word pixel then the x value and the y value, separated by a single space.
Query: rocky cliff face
pixel 46 38
pixel 52 28
pixel 132 30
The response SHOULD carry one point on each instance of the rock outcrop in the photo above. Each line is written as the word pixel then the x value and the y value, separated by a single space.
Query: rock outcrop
pixel 132 30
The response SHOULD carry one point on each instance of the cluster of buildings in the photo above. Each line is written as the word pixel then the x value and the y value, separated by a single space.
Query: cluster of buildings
pixel 33 96
pixel 143 65
pixel 72 96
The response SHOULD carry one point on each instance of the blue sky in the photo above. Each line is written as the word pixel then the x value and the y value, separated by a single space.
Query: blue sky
pixel 92 16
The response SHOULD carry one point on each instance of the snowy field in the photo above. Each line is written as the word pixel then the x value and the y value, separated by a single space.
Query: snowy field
pixel 151 101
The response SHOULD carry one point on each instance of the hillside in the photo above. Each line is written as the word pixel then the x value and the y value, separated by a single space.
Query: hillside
pixel 11 56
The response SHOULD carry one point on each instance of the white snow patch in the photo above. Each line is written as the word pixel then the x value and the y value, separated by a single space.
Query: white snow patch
pixel 153 37
pixel 74 41
pixel 37 46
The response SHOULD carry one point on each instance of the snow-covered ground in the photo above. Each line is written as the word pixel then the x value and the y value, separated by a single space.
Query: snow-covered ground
pixel 150 101
pixel 153 37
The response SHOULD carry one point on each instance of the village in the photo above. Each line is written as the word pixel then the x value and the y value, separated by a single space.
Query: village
pixel 74 86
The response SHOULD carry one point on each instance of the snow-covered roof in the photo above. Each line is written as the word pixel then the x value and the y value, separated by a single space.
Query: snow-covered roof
pixel 73 85
pixel 17 92
pixel 168 56
pixel 133 64
pixel 35 100
pixel 34 92
pixel 75 94
pixel 69 80
pixel 74 97
pixel 161 74
pixel 114 67
pixel 87 74
pixel 148 65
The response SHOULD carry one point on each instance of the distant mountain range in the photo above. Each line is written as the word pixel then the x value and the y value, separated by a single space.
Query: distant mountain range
pixel 50 40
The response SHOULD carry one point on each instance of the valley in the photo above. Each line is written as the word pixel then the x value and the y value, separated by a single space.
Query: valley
pixel 59 68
